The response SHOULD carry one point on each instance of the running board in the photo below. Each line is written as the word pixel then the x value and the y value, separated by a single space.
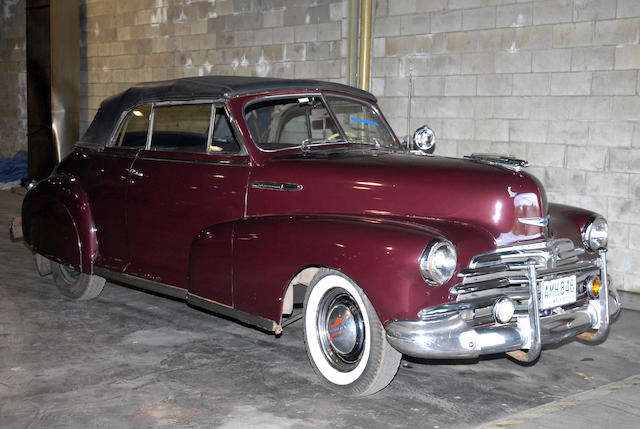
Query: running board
pixel 195 300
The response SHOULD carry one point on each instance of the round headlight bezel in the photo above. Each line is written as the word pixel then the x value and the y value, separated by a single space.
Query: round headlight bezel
pixel 437 249
pixel 592 236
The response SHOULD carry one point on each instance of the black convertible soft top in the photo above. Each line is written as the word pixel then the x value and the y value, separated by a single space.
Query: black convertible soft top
pixel 193 88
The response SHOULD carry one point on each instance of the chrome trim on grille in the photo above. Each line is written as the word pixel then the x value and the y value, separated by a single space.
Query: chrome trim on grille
pixel 505 271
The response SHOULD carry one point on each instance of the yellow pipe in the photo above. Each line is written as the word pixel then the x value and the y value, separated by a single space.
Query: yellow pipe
pixel 365 44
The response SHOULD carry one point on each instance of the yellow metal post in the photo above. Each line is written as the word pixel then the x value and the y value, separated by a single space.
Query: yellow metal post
pixel 365 44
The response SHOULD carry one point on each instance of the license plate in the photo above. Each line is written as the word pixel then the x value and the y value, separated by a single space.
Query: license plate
pixel 557 292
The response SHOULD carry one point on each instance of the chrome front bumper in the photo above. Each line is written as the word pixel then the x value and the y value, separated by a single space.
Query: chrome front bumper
pixel 448 336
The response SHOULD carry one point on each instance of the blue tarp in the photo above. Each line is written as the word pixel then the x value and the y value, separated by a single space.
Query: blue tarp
pixel 13 169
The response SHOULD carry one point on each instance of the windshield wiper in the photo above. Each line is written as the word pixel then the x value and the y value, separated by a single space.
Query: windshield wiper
pixel 306 144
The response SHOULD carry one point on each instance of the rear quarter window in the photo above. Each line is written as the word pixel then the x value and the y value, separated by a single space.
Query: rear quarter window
pixel 133 132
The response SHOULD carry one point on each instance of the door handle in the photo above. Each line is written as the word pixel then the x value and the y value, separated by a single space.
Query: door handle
pixel 134 172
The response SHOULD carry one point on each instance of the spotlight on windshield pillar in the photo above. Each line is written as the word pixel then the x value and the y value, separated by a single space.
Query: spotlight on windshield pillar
pixel 425 139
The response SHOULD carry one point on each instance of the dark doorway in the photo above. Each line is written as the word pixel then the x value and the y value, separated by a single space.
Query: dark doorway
pixel 39 135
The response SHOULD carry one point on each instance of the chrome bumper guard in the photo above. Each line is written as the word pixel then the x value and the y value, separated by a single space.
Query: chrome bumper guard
pixel 446 335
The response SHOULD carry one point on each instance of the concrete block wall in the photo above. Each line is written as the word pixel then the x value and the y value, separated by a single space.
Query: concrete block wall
pixel 13 78
pixel 554 82
pixel 133 41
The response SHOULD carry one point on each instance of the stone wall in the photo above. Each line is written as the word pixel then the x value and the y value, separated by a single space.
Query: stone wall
pixel 13 78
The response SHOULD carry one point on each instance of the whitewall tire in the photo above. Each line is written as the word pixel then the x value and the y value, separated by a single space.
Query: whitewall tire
pixel 344 338
pixel 75 284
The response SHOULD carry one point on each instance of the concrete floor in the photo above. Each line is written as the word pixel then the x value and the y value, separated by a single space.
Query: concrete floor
pixel 134 359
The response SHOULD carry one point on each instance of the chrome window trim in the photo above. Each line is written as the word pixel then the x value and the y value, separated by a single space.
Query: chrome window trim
pixel 322 95
pixel 232 126
pixel 234 129
pixel 275 97
pixel 124 117
pixel 212 124
pixel 152 121
pixel 172 104
pixel 214 101
pixel 150 156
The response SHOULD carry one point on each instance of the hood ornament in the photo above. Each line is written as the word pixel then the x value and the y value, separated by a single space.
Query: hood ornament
pixel 506 161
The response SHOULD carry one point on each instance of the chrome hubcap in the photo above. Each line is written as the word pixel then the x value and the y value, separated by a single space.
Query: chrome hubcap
pixel 340 328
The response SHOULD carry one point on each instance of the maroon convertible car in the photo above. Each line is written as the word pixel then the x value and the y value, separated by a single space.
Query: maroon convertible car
pixel 233 193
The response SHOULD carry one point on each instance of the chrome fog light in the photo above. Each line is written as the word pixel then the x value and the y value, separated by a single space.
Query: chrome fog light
pixel 503 309
pixel 596 233
pixel 438 261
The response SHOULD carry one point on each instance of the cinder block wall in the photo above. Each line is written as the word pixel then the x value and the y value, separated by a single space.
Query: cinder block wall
pixel 131 41
pixel 13 78
pixel 552 81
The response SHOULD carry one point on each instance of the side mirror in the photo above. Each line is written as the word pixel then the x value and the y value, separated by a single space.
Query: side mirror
pixel 425 139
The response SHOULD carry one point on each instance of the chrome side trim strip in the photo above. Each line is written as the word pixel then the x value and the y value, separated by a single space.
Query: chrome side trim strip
pixel 195 300
pixel 277 186
pixel 147 155
pixel 535 221
pixel 225 310
pixel 161 288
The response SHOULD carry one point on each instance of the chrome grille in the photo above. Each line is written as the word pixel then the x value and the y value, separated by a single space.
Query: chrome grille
pixel 503 271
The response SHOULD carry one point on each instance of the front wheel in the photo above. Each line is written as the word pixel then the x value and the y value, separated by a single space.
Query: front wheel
pixel 344 338
pixel 75 284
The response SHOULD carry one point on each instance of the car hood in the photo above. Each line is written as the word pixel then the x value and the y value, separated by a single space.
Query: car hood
pixel 402 185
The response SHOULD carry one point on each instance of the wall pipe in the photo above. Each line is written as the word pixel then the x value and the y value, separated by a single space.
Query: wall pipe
pixel 352 44
pixel 365 44
pixel 65 75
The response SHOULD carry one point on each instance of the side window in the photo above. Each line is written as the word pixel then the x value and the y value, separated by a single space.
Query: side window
pixel 133 133
pixel 223 140
pixel 182 128
pixel 294 127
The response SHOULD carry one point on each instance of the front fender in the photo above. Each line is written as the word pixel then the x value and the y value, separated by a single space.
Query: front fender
pixel 57 222
pixel 380 255
pixel 568 222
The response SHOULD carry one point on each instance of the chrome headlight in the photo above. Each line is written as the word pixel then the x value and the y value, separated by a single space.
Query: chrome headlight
pixel 596 233
pixel 438 261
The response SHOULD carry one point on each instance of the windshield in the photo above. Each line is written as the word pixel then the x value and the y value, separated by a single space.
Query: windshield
pixel 287 122
pixel 360 122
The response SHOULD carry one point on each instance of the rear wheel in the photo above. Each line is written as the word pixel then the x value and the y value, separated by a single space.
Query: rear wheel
pixel 75 284
pixel 345 340
pixel 43 265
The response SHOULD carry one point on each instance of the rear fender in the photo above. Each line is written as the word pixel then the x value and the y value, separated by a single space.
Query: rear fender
pixel 58 224
pixel 380 256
